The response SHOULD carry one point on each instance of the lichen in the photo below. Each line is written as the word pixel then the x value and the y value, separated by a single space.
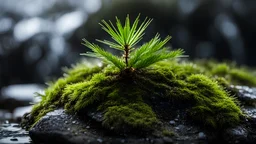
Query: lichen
pixel 130 101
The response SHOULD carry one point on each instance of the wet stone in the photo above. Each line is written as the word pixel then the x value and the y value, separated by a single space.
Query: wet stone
pixel 172 122
pixel 239 131
pixel 63 129
pixel 99 140
pixel 245 94
pixel 168 140
pixel 6 122
pixel 14 139
pixel 201 135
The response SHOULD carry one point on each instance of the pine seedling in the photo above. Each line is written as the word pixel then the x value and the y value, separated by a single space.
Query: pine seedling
pixel 125 39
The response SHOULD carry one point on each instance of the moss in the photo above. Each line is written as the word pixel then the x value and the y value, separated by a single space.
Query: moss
pixel 214 106
pixel 168 133
pixel 136 100
pixel 231 72
pixel 132 115
pixel 207 102
pixel 243 77
pixel 53 94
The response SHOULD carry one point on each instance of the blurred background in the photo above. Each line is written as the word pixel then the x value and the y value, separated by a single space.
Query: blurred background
pixel 39 37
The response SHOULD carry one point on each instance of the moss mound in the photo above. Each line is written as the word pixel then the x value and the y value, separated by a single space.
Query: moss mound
pixel 142 99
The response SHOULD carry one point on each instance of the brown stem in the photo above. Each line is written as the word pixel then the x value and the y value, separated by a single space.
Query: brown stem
pixel 126 54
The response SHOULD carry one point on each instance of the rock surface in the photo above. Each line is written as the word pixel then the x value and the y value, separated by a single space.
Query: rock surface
pixel 61 127
pixel 246 94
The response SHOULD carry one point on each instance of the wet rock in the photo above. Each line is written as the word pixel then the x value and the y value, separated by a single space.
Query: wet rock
pixel 98 116
pixel 99 140
pixel 245 94
pixel 201 135
pixel 237 135
pixel 251 112
pixel 168 140
pixel 172 122
pixel 244 133
pixel 14 139
pixel 59 127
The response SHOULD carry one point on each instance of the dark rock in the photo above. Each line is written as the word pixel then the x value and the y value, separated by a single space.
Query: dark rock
pixel 245 94
pixel 14 139
pixel 201 135
pixel 172 122
pixel 244 133
pixel 60 127
pixel 98 116
pixel 168 140
pixel 237 135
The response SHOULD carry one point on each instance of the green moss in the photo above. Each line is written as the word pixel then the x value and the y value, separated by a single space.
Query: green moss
pixel 132 115
pixel 243 77
pixel 168 133
pixel 53 94
pixel 214 107
pixel 132 100
pixel 231 72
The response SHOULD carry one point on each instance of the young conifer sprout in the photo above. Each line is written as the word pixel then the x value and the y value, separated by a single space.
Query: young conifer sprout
pixel 125 39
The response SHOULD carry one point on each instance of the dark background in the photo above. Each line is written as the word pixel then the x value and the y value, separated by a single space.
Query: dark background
pixel 39 37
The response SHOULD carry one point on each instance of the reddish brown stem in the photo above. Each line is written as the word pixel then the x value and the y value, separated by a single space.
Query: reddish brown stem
pixel 126 54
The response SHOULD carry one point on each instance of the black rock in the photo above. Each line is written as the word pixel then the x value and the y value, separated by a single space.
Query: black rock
pixel 60 127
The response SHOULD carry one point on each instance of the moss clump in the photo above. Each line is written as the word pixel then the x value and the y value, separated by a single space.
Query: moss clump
pixel 51 99
pixel 137 115
pixel 213 106
pixel 231 72
pixel 134 100
pixel 168 133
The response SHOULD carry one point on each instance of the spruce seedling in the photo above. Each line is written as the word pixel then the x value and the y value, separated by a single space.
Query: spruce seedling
pixel 125 39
